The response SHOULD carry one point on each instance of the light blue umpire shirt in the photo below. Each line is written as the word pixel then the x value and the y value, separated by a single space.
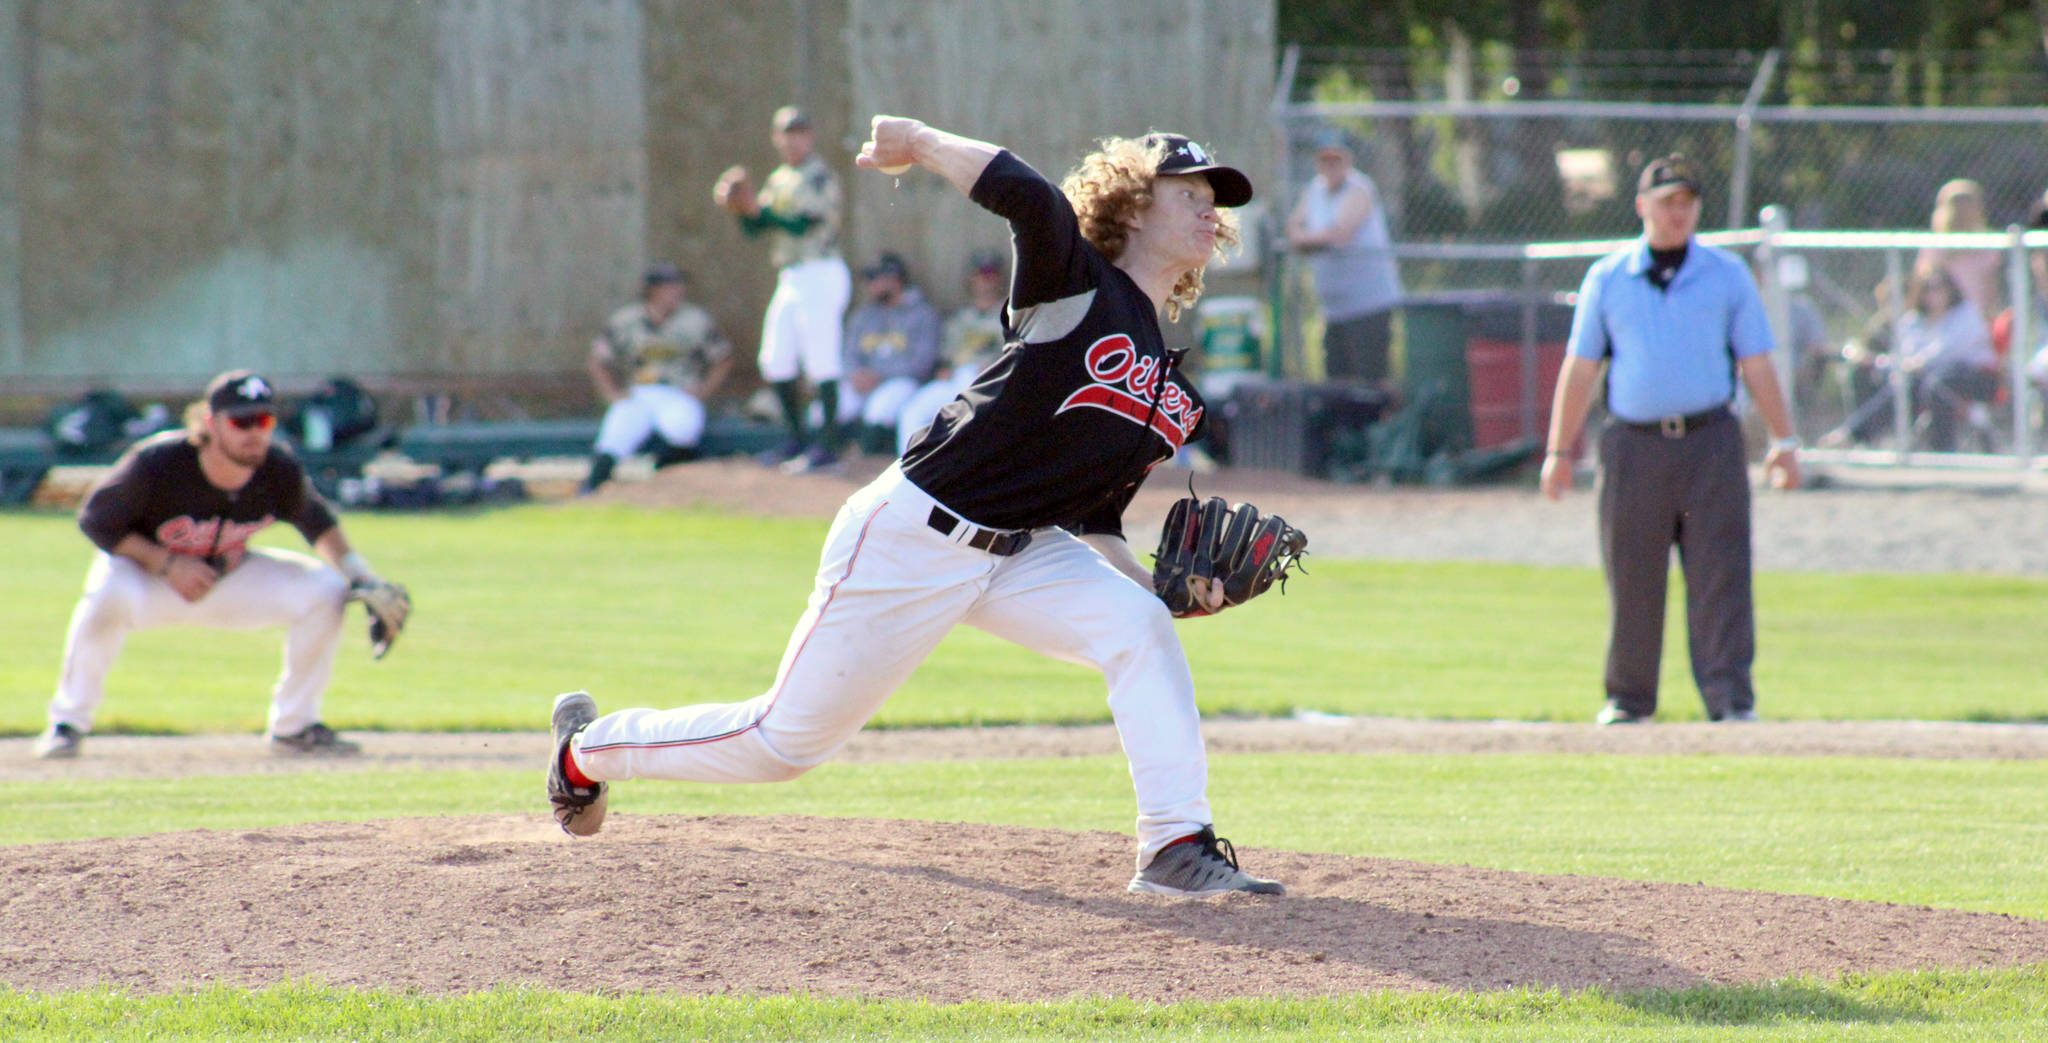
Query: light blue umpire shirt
pixel 1674 349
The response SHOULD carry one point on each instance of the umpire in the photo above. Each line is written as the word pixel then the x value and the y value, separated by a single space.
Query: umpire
pixel 1673 322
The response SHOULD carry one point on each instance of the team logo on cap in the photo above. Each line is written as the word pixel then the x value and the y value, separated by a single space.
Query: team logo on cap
pixel 252 388
pixel 1194 152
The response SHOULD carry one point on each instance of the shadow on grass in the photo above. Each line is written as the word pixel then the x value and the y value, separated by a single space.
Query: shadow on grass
pixel 1787 1002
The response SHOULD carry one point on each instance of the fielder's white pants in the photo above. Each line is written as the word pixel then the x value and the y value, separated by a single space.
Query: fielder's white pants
pixel 269 588
pixel 923 405
pixel 802 329
pixel 889 587
pixel 647 408
pixel 879 407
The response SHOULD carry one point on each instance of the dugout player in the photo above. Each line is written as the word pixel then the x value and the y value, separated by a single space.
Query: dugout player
pixel 1006 512
pixel 172 521
pixel 798 208
pixel 655 364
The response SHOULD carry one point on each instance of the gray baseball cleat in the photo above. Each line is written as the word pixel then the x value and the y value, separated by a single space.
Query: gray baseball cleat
pixel 61 742
pixel 1203 866
pixel 315 740
pixel 579 809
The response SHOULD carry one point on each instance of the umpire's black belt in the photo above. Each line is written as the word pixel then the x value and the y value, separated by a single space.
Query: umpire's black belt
pixel 1675 426
pixel 998 542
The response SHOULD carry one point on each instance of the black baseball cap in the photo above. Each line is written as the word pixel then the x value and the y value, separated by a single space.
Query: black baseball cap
pixel 660 273
pixel 985 261
pixel 789 117
pixel 1666 175
pixel 1184 156
pixel 239 392
pixel 887 264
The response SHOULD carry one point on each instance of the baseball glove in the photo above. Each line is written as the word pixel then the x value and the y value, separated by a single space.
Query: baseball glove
pixel 734 192
pixel 1207 543
pixel 388 606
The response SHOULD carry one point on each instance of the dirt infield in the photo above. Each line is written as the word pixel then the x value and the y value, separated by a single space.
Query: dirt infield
pixel 891 909
pixel 955 912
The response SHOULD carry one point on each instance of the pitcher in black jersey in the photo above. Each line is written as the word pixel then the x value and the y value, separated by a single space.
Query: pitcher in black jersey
pixel 172 522
pixel 1005 514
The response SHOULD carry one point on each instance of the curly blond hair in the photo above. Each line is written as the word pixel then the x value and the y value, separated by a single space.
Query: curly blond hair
pixel 1114 183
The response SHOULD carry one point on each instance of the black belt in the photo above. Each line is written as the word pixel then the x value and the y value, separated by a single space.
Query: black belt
pixel 995 541
pixel 1678 426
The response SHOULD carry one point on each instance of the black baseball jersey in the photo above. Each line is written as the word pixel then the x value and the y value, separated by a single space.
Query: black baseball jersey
pixel 1063 427
pixel 157 490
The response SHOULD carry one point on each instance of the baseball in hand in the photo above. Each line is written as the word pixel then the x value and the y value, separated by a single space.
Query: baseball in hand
pixel 896 171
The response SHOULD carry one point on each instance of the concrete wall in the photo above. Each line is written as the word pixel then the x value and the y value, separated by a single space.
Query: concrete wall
pixel 1048 80
pixel 466 187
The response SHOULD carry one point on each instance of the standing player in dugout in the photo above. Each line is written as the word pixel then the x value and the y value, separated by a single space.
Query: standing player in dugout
pixel 1005 513
pixel 172 522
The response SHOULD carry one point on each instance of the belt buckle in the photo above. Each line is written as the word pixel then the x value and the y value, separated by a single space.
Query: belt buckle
pixel 1671 427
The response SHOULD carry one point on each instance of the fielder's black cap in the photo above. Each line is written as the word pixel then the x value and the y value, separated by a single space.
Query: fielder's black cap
pixel 239 392
pixel 887 264
pixel 985 261
pixel 789 117
pixel 660 273
pixel 1666 175
pixel 1184 156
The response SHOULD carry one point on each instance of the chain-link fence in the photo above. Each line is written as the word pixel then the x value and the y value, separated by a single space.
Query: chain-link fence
pixel 1498 204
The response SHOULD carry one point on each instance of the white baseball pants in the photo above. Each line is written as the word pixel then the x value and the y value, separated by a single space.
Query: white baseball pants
pixel 889 587
pixel 647 408
pixel 879 407
pixel 803 327
pixel 269 588
pixel 923 405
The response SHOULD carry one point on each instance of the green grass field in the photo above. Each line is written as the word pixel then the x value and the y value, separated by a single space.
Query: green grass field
pixel 673 607
pixel 669 608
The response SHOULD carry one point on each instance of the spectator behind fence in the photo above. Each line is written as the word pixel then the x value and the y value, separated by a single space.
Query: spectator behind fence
pixel 1959 207
pixel 892 343
pixel 1944 348
pixel 654 365
pixel 1341 225
pixel 970 340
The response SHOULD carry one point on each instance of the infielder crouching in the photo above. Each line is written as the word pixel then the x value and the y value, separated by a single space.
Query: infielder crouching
pixel 172 521
pixel 1005 514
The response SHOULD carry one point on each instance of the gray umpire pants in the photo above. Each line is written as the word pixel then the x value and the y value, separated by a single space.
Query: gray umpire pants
pixel 1692 490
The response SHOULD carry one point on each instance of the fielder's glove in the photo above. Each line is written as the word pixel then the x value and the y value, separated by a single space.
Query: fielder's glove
pixel 1207 543
pixel 388 606
pixel 734 192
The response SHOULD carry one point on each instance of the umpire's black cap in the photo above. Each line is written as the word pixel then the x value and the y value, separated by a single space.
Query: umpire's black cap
pixel 239 392
pixel 1668 174
pixel 1185 156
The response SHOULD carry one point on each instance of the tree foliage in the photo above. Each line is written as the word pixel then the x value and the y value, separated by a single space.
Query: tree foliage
pixel 1936 25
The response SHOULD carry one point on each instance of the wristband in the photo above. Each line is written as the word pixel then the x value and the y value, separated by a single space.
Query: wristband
pixel 356 569
pixel 1789 443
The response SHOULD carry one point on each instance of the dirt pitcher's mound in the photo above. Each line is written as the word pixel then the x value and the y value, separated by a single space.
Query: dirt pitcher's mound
pixel 889 909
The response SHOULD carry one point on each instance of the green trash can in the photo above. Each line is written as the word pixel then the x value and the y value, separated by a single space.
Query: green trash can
pixel 1433 336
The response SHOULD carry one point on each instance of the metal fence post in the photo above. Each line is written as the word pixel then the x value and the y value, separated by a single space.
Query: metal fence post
pixel 1902 389
pixel 1778 309
pixel 1745 129
pixel 2019 293
pixel 1531 361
